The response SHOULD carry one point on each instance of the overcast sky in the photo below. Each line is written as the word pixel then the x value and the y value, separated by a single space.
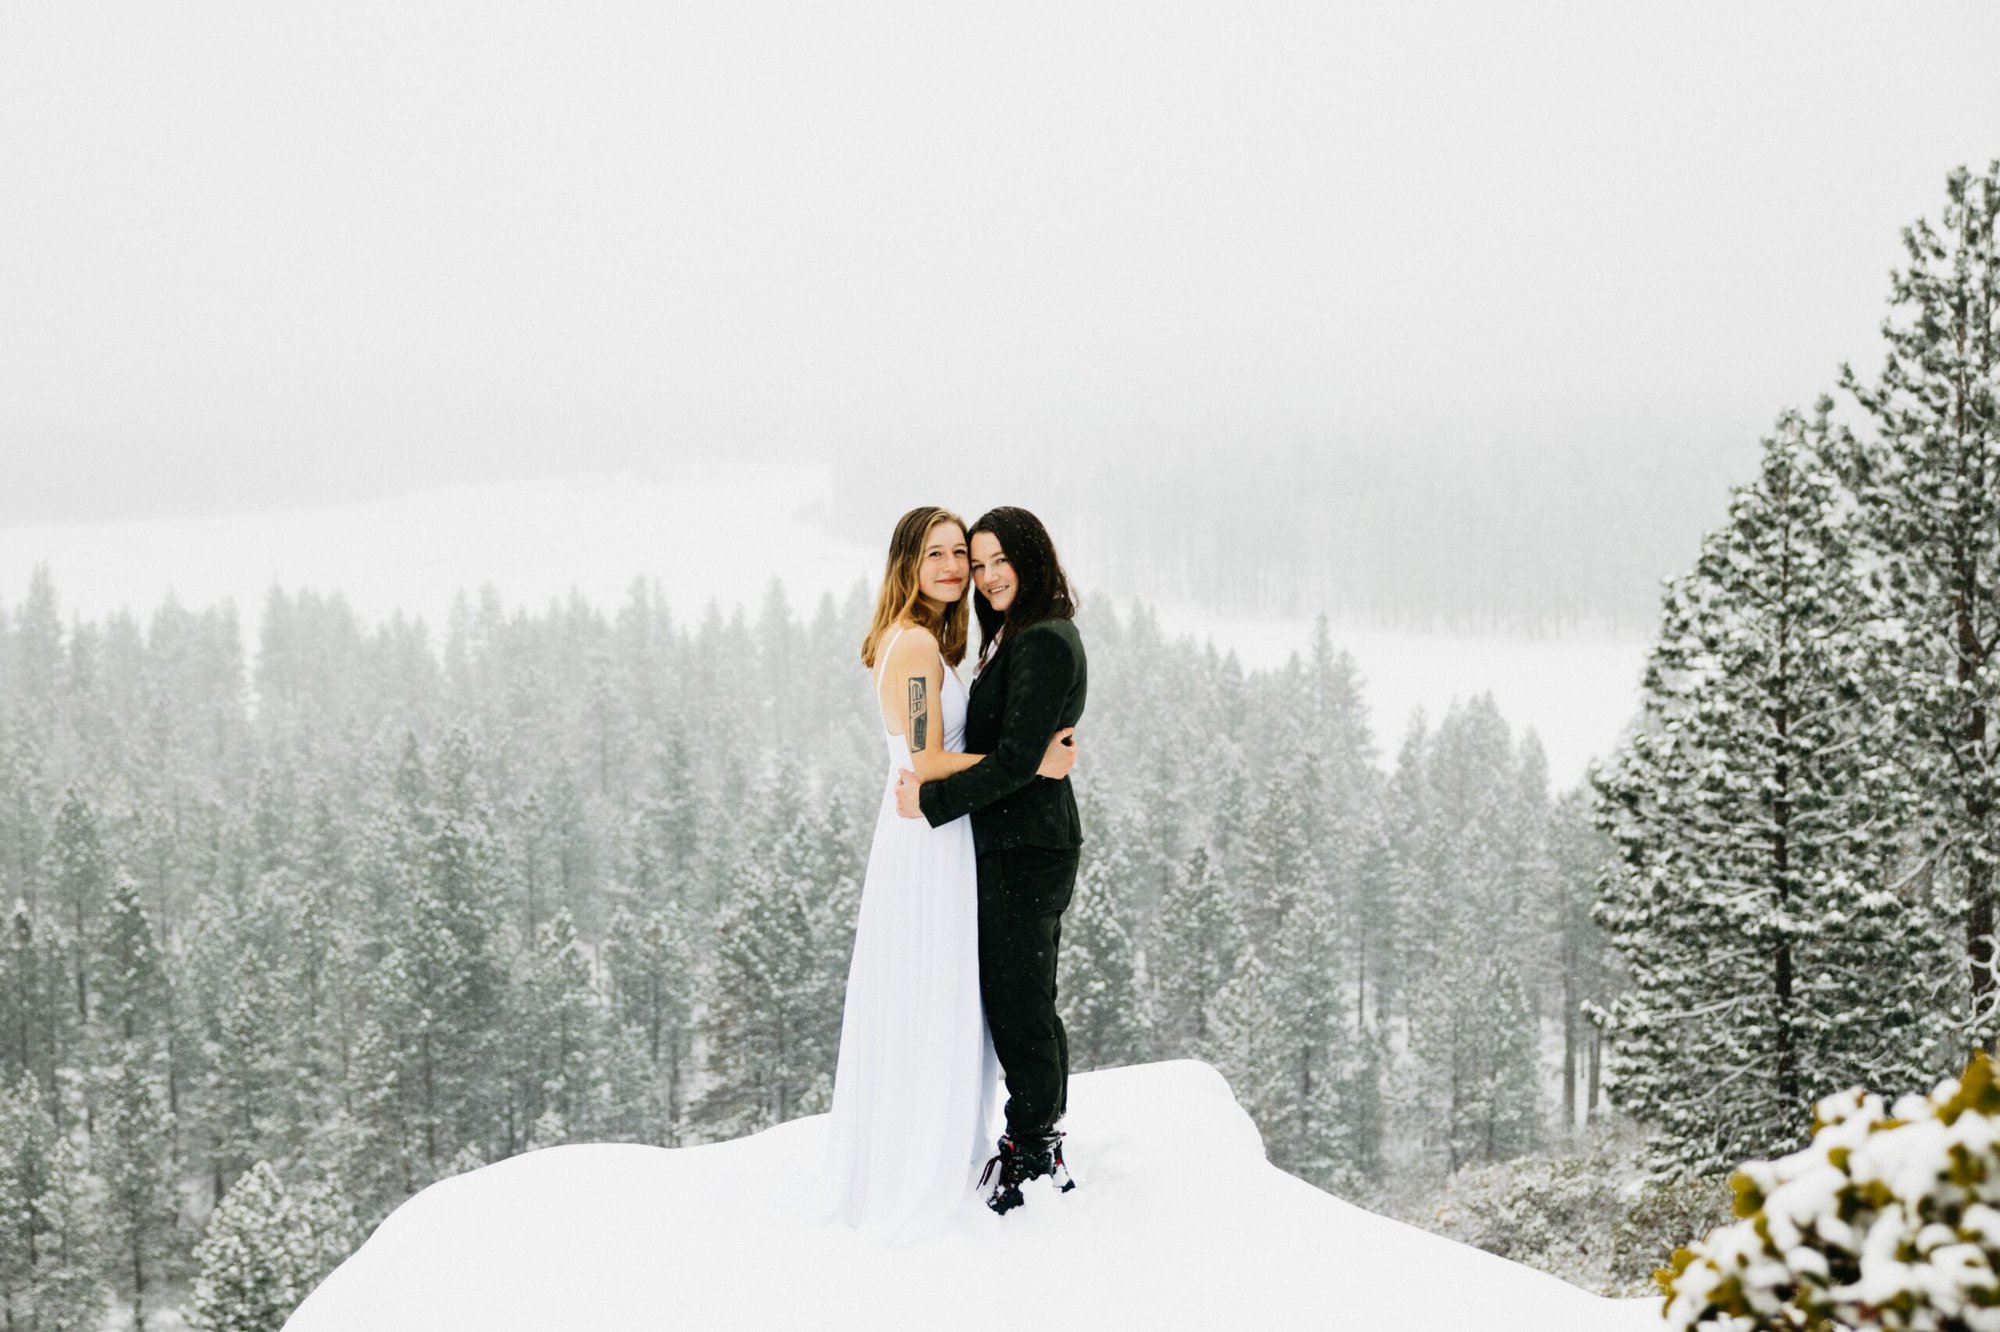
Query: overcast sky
pixel 269 254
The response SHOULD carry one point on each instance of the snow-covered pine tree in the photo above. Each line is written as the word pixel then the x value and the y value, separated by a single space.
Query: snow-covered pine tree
pixel 131 980
pixel 1188 958
pixel 1413 854
pixel 80 874
pixel 1929 485
pixel 649 965
pixel 49 1255
pixel 38 676
pixel 455 983
pixel 372 1144
pixel 318 941
pixel 558 1033
pixel 1578 852
pixel 1472 1037
pixel 264 1248
pixel 1503 1111
pixel 1751 811
pixel 1373 913
pixel 39 1023
pixel 1246 1045
pixel 812 847
pixel 1346 786
pixel 245 1081
pixel 665 842
pixel 27 1143
pixel 1277 849
pixel 252 1265
pixel 1098 989
pixel 1311 1125
pixel 758 1006
pixel 131 1150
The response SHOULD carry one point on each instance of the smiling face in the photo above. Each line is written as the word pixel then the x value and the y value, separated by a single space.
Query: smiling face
pixel 991 573
pixel 941 571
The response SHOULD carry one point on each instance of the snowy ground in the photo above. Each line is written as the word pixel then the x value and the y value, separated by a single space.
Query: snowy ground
pixel 535 540
pixel 1177 1221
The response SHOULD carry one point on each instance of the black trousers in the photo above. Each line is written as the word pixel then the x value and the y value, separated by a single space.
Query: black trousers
pixel 1023 892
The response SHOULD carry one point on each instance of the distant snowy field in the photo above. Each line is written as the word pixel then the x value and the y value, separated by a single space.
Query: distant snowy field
pixel 722 535
pixel 1177 1221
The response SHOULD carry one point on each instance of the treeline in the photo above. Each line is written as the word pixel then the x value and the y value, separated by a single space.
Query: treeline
pixel 289 937
pixel 1807 816
pixel 1535 535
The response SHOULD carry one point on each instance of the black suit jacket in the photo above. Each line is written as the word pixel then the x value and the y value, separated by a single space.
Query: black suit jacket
pixel 1032 688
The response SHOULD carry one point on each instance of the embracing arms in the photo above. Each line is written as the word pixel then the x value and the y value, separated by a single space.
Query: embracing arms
pixel 912 686
pixel 1041 672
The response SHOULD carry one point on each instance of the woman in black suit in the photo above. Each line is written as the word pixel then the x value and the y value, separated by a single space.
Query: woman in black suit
pixel 1025 831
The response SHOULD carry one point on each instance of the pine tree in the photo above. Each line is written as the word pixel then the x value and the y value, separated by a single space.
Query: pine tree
pixel 1750 814
pixel 81 875
pixel 66 1293
pixel 1578 852
pixel 448 961
pixel 246 1090
pixel 1098 988
pixel 1929 488
pixel 1246 1046
pixel 1455 805
pixel 758 1006
pixel 33 1016
pixel 131 976
pixel 1187 960
pixel 1308 1121
pixel 650 964
pixel 132 1153
pixel 665 840
pixel 264 1249
pixel 561 1013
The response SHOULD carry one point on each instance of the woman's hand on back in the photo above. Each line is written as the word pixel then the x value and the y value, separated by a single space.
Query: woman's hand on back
pixel 1060 756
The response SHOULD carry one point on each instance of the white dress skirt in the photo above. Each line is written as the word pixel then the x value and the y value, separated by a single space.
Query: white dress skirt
pixel 916 1088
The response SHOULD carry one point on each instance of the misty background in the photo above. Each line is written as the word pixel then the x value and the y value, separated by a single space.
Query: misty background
pixel 1466 314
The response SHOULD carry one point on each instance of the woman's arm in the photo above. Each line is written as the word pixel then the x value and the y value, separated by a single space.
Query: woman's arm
pixel 1040 675
pixel 915 666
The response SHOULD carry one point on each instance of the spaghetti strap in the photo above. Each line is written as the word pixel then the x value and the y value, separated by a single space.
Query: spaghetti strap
pixel 882 664
pixel 882 656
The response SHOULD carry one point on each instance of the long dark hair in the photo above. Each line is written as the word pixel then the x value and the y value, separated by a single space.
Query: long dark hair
pixel 1041 588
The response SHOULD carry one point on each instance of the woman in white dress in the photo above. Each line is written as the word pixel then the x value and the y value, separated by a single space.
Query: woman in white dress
pixel 916 1089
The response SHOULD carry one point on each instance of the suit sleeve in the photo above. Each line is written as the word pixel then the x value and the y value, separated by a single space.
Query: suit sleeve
pixel 1039 679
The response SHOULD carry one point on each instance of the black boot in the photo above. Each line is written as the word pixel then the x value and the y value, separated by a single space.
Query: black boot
pixel 1006 1193
pixel 1019 1162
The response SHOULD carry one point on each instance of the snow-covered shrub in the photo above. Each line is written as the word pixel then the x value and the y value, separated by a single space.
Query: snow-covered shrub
pixel 1550 1208
pixel 1659 1217
pixel 1551 1213
pixel 1883 1221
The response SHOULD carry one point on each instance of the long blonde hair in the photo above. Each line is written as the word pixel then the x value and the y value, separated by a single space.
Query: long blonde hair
pixel 900 598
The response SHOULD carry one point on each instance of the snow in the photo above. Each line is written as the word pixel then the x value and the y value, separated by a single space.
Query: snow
pixel 536 539
pixel 1177 1221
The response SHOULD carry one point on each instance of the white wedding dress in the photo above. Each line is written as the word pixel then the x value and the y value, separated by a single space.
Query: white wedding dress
pixel 916 1088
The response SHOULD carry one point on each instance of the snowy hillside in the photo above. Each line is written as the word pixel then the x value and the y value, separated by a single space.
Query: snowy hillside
pixel 1177 1222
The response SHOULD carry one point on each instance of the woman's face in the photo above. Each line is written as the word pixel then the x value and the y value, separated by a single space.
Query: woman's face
pixel 941 573
pixel 991 573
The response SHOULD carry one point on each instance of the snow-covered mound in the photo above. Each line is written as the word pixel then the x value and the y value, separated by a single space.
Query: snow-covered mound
pixel 1177 1221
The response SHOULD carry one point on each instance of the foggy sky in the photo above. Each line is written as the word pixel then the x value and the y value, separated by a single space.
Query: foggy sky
pixel 255 255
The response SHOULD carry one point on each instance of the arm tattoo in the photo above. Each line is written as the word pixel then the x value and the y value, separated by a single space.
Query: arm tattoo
pixel 919 714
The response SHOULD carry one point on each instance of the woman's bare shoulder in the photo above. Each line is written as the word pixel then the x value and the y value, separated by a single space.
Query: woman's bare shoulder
pixel 915 643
